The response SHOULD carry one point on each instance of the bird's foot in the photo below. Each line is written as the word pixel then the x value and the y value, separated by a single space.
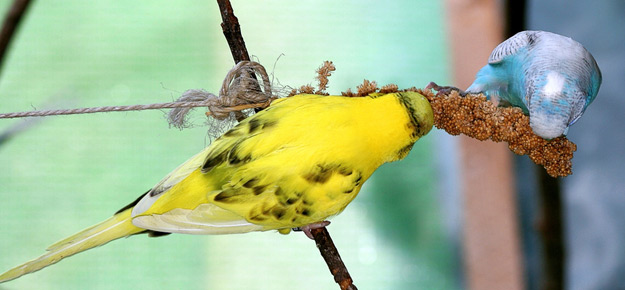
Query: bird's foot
pixel 445 90
pixel 307 228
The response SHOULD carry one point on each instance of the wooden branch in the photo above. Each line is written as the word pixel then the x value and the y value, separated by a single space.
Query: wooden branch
pixel 331 255
pixel 11 22
pixel 232 32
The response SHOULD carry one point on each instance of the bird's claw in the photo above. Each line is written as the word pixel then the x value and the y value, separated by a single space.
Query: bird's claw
pixel 307 228
pixel 444 90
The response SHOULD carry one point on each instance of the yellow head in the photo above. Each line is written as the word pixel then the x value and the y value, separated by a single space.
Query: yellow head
pixel 419 110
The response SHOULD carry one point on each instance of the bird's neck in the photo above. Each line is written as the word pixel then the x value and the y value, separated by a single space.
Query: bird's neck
pixel 386 123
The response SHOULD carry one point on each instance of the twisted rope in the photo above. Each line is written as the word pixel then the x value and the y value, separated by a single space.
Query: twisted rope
pixel 44 113
pixel 238 92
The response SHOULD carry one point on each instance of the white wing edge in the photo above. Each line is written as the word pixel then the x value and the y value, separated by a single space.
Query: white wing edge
pixel 206 219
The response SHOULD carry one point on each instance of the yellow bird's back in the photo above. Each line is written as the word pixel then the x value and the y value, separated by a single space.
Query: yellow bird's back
pixel 298 162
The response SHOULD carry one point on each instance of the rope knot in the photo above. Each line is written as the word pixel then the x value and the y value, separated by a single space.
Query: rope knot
pixel 240 90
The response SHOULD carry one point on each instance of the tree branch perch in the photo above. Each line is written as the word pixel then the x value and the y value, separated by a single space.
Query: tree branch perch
pixel 331 255
pixel 232 32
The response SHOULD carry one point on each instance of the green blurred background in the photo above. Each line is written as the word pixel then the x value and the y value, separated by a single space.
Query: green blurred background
pixel 66 173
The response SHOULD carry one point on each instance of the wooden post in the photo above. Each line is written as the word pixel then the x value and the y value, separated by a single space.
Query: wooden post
pixel 491 249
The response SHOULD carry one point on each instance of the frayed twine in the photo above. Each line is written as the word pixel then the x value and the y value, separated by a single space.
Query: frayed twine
pixel 240 90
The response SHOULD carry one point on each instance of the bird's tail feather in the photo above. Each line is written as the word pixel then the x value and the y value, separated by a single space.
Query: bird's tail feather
pixel 116 227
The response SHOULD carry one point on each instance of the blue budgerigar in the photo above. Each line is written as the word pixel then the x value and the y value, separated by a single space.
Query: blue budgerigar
pixel 551 77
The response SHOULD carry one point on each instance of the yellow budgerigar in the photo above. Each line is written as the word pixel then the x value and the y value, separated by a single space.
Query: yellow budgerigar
pixel 292 165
